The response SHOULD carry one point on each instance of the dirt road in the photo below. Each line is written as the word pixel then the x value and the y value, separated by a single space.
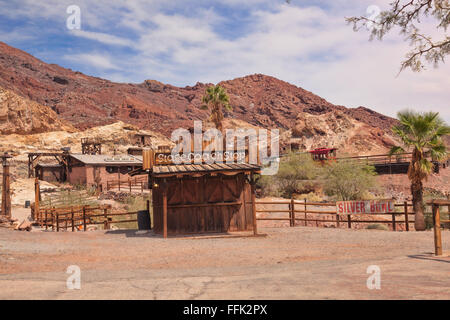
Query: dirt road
pixel 289 263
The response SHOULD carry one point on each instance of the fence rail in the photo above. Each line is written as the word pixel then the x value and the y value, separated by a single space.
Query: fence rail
pixel 130 185
pixel 304 208
pixel 79 217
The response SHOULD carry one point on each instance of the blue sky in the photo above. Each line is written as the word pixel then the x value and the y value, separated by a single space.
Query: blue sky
pixel 181 42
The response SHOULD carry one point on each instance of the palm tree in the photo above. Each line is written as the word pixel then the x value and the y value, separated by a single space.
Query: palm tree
pixel 216 98
pixel 422 134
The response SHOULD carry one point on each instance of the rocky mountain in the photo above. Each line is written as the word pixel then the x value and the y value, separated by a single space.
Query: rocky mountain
pixel 22 116
pixel 259 100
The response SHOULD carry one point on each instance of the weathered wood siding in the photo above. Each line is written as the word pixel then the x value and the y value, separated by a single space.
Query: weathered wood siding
pixel 211 193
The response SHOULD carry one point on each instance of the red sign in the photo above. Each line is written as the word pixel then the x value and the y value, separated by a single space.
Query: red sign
pixel 365 207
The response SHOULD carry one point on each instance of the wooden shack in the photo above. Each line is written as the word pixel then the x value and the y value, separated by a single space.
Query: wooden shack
pixel 200 198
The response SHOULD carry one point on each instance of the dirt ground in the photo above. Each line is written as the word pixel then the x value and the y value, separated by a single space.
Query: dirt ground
pixel 288 263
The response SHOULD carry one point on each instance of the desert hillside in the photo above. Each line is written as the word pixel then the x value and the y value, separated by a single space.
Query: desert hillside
pixel 258 100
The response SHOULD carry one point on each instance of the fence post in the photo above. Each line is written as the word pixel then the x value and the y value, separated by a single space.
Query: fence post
pixel 306 215
pixel 437 230
pixel 129 183
pixel 46 225
pixel 57 222
pixel 53 219
pixel 106 222
pixel 349 221
pixel 84 218
pixel 394 228
pixel 406 215
pixel 337 221
pixel 293 211
pixel 119 182
pixel 71 217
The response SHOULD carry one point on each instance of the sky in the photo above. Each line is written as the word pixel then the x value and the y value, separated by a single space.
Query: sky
pixel 181 42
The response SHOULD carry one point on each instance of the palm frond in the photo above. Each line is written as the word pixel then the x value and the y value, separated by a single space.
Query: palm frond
pixel 396 150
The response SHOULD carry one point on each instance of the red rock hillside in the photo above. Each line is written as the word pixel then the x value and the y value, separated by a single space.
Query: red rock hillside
pixel 260 100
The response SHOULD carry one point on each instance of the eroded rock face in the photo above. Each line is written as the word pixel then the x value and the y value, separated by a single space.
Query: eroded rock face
pixel 259 100
pixel 339 130
pixel 22 116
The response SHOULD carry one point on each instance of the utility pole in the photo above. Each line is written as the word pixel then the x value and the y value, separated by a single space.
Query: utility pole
pixel 6 191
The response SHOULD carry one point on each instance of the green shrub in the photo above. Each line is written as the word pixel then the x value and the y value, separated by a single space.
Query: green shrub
pixel 348 180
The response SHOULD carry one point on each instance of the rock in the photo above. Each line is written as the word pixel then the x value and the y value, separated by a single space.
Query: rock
pixel 25 225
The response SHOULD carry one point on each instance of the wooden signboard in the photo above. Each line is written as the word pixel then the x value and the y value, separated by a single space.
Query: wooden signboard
pixel 365 206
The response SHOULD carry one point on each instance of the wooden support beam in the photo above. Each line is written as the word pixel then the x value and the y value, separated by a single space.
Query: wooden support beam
pixel 165 213
pixel 253 199
pixel 6 191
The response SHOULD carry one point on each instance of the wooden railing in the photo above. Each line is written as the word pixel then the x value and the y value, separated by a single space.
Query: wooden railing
pixel 302 211
pixel 137 184
pixel 78 218
pixel 380 158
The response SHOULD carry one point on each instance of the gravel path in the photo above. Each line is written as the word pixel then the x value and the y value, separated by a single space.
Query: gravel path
pixel 289 263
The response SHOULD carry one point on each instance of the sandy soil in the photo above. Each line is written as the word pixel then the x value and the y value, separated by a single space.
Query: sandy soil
pixel 289 263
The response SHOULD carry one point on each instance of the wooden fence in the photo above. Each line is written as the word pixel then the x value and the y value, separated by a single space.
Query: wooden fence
pixel 302 211
pixel 138 184
pixel 78 218
pixel 436 205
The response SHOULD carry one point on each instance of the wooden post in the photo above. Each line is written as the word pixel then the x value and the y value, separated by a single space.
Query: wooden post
pixel 405 205
pixel 106 222
pixel 337 221
pixel 253 199
pixel 6 191
pixel 349 221
pixel 292 213
pixel 119 179
pixel 129 184
pixel 57 222
pixel 437 230
pixel 71 218
pixel 84 218
pixel 53 219
pixel 165 212
pixel 37 196
pixel 46 226
pixel 394 228
pixel 306 215
pixel 149 213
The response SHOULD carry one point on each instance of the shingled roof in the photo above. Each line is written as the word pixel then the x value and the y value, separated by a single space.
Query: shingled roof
pixel 104 159
pixel 169 170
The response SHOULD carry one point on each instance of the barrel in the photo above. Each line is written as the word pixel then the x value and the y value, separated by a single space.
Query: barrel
pixel 143 219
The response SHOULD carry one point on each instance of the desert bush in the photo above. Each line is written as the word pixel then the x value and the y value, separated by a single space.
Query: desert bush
pixel 295 175
pixel 348 180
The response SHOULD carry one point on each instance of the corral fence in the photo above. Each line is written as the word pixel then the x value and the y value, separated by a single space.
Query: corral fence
pixel 79 218
pixel 306 213
pixel 137 184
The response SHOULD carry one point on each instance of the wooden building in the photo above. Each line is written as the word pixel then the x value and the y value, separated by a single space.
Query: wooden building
pixel 51 172
pixel 200 198
pixel 96 170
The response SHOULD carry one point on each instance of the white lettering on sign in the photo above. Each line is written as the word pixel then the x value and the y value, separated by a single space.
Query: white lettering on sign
pixel 365 207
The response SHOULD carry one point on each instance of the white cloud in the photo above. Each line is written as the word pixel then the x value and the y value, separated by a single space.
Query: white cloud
pixel 98 61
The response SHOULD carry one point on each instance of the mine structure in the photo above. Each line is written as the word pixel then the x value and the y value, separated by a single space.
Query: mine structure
pixel 91 146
